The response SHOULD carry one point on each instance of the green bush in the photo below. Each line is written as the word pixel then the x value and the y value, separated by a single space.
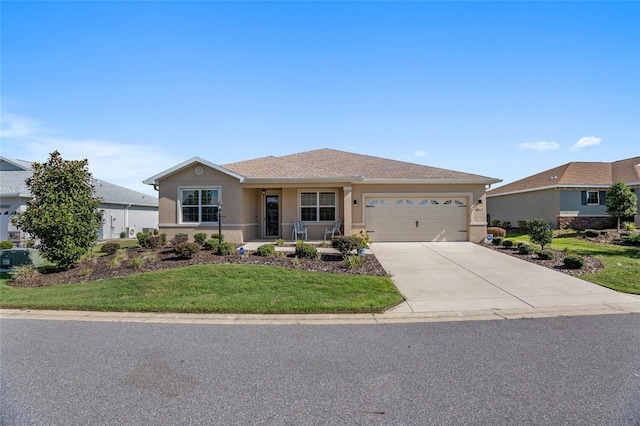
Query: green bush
pixel 496 232
pixel 629 226
pixel 186 249
pixel 143 239
pixel 525 249
pixel 179 239
pixel 497 241
pixel 631 239
pixel 495 224
pixel 6 245
pixel 200 238
pixel 155 231
pixel 211 244
pixel 505 225
pixel 573 262
pixel 163 236
pixel 591 233
pixel 156 241
pixel 522 224
pixel 347 243
pixel 110 248
pixel 306 251
pixel 266 250
pixel 219 237
pixel 546 255
pixel 507 243
pixel 540 232
pixel 123 234
pixel 225 249
pixel 182 234
pixel 354 261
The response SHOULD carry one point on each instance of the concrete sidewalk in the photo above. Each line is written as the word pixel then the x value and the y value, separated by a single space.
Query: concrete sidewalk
pixel 459 276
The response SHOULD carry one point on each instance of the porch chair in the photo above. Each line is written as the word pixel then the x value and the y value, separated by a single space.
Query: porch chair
pixel 334 228
pixel 298 229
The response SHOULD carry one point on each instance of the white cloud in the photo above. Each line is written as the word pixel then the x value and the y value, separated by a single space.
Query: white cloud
pixel 539 146
pixel 122 164
pixel 419 154
pixel 585 142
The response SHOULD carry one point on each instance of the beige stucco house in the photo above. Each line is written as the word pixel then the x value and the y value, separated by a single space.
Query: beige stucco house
pixel 569 196
pixel 260 198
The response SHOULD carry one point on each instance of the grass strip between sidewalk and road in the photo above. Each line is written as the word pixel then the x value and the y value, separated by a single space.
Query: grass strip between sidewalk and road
pixel 214 289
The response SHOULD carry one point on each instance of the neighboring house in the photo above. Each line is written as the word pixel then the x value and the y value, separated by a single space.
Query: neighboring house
pixel 124 209
pixel 570 196
pixel 391 200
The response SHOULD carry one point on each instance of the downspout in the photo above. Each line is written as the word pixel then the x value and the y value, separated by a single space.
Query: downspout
pixel 126 219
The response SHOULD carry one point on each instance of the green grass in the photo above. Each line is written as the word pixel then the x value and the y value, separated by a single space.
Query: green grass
pixel 214 289
pixel 621 263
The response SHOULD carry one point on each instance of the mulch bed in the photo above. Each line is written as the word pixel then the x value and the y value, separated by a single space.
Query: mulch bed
pixel 102 267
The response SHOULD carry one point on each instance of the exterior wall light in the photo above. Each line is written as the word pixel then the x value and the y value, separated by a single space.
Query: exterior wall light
pixel 355 203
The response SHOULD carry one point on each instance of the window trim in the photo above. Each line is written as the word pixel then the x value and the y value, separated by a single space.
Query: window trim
pixel 196 188
pixel 318 206
pixel 597 198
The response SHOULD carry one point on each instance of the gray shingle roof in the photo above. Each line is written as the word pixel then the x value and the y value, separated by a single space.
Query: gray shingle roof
pixel 12 183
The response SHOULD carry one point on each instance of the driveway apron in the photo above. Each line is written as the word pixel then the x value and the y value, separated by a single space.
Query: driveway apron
pixel 458 276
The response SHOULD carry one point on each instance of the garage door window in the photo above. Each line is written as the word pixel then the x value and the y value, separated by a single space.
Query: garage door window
pixel 318 206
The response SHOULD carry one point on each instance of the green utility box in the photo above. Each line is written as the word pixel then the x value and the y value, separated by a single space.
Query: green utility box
pixel 19 256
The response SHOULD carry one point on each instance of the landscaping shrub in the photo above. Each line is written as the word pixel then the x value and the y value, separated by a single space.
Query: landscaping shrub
pixel 629 226
pixel 540 232
pixel 200 238
pixel 123 234
pixel 211 244
pixel 179 239
pixel 497 241
pixel 522 224
pixel 186 249
pixel 496 232
pixel 266 250
pixel 163 237
pixel 631 239
pixel 495 224
pixel 525 249
pixel 306 251
pixel 6 245
pixel 156 241
pixel 354 261
pixel 137 262
pixel 219 237
pixel 225 249
pixel 155 231
pixel 573 262
pixel 507 243
pixel 182 234
pixel 110 248
pixel 591 233
pixel 280 242
pixel 23 273
pixel 505 225
pixel 147 240
pixel 347 243
pixel 546 255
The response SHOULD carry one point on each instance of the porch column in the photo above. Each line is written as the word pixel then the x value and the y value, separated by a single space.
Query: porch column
pixel 347 221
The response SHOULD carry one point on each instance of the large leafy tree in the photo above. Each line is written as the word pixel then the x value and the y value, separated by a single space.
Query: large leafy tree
pixel 621 202
pixel 63 213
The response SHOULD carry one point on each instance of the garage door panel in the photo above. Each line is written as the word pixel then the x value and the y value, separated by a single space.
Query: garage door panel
pixel 416 219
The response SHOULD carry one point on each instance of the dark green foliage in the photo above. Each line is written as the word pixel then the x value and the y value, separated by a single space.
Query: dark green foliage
pixel 546 255
pixel 348 243
pixel 163 237
pixel 186 249
pixel 525 249
pixel 266 250
pixel 573 262
pixel 224 249
pixel 496 232
pixel 6 245
pixel 631 239
pixel 211 244
pixel 182 234
pixel 621 202
pixel 123 234
pixel 497 241
pixel 505 225
pixel 63 213
pixel 179 239
pixel 110 248
pixel 155 231
pixel 200 238
pixel 143 239
pixel 216 236
pixel 540 232
pixel 306 251
pixel 495 223
pixel 591 233
pixel 507 243
pixel 522 224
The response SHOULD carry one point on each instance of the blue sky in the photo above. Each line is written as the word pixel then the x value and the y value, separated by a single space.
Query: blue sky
pixel 501 89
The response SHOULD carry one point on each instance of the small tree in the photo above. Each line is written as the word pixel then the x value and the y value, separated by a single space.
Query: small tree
pixel 621 202
pixel 540 232
pixel 63 213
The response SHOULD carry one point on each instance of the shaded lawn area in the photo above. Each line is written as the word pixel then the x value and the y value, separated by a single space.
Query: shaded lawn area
pixel 215 289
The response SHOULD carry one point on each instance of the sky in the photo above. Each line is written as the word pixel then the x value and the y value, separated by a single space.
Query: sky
pixel 500 89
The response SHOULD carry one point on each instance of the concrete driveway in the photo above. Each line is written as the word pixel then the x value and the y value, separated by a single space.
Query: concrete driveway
pixel 459 276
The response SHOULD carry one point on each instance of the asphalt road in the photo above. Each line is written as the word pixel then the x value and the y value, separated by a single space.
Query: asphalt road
pixel 572 370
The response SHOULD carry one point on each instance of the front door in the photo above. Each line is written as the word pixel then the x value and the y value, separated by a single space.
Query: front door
pixel 272 216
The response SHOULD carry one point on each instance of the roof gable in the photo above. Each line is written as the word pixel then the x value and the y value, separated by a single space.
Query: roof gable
pixel 594 174
pixel 154 180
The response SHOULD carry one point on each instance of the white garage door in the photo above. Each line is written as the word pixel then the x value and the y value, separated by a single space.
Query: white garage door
pixel 416 218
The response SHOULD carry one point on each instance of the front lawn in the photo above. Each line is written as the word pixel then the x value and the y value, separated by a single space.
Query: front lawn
pixel 214 289
pixel 621 263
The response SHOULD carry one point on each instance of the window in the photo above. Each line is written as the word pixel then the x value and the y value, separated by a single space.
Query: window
pixel 592 197
pixel 318 206
pixel 199 205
